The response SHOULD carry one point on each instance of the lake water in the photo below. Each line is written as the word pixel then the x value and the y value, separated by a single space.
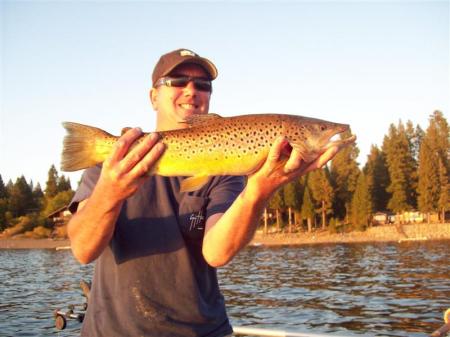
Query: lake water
pixel 353 290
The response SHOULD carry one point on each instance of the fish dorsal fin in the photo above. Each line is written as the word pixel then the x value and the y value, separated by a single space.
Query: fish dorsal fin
pixel 196 120
pixel 125 130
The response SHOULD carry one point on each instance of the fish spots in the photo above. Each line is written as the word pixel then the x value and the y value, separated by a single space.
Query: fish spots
pixel 229 138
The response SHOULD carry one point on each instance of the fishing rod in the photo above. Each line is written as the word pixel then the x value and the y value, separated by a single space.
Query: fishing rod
pixel 262 332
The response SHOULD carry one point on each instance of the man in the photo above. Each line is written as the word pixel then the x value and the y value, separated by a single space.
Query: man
pixel 157 248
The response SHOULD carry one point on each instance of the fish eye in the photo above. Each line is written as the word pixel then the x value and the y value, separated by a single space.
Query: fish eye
pixel 323 127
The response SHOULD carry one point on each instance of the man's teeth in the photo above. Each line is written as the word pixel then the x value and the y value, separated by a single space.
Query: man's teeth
pixel 187 106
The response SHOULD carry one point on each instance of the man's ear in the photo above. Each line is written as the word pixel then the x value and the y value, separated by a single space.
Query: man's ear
pixel 154 97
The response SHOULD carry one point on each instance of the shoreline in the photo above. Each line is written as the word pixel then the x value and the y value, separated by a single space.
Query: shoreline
pixel 409 233
pixel 22 243
pixel 301 239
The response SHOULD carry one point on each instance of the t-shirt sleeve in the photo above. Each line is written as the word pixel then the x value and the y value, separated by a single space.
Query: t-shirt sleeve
pixel 223 193
pixel 88 181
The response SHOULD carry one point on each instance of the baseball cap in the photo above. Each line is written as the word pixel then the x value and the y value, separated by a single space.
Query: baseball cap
pixel 170 61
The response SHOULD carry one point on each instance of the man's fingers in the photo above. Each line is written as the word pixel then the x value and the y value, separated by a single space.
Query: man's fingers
pixel 135 155
pixel 275 152
pixel 123 144
pixel 323 159
pixel 294 162
pixel 150 158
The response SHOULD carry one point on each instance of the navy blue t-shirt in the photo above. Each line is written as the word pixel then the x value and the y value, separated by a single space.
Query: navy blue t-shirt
pixel 152 279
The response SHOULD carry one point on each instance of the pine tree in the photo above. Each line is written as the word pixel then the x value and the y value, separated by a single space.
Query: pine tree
pixel 402 170
pixel 20 198
pixel 344 172
pixel 444 200
pixel 9 187
pixel 3 190
pixel 3 204
pixel 38 197
pixel 307 208
pixel 377 178
pixel 51 188
pixel 277 203
pixel 3 210
pixel 414 136
pixel 63 184
pixel 322 192
pixel 361 205
pixel 291 199
pixel 433 187
pixel 438 132
pixel 428 186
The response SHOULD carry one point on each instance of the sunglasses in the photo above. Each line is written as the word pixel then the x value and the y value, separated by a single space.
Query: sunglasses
pixel 180 82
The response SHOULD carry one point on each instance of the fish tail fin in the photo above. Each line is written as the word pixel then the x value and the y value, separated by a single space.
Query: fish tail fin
pixel 84 146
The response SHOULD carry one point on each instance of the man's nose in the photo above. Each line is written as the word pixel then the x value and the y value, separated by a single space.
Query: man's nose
pixel 190 88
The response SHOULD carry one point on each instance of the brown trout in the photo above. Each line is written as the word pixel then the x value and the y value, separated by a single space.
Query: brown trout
pixel 211 145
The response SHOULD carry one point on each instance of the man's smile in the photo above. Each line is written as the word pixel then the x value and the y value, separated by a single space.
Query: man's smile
pixel 188 106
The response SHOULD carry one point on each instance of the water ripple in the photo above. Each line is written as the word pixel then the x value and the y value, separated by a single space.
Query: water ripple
pixel 354 290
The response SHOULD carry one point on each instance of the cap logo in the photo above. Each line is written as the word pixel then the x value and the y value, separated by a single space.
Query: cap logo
pixel 187 53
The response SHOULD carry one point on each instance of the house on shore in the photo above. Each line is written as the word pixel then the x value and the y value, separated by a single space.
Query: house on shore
pixel 60 216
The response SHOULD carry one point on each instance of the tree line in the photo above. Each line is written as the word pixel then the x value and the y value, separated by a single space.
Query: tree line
pixel 409 172
pixel 26 205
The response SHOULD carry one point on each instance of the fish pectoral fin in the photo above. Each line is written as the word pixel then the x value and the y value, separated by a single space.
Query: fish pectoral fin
pixel 196 120
pixel 193 183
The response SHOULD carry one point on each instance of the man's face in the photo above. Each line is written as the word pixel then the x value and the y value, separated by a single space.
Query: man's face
pixel 174 104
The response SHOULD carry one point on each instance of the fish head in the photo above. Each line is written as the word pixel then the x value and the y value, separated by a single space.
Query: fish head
pixel 311 136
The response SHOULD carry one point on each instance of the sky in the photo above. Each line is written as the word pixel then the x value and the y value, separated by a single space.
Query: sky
pixel 368 64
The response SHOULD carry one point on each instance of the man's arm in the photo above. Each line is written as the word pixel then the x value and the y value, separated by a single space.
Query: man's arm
pixel 227 233
pixel 92 226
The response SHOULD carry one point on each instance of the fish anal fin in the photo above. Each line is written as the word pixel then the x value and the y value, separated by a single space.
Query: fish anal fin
pixel 196 120
pixel 193 183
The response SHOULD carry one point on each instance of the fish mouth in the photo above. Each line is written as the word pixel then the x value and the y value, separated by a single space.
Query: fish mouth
pixel 336 141
pixel 338 129
pixel 342 127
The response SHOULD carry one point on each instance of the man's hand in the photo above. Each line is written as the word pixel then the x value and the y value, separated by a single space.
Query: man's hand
pixel 125 170
pixel 282 167
pixel 92 226
pixel 227 233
